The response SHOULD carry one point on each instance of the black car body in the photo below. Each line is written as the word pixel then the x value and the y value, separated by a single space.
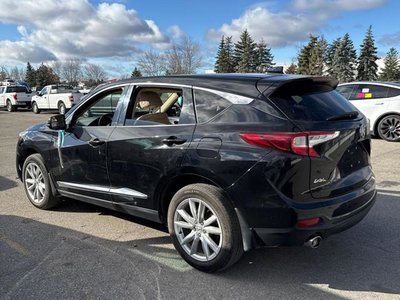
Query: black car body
pixel 274 159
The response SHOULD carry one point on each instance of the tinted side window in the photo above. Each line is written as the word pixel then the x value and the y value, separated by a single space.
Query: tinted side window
pixel 393 92
pixel 99 111
pixel 208 105
pixel 366 91
pixel 160 106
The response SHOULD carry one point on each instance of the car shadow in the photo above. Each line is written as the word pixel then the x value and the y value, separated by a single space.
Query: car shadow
pixel 362 259
pixel 6 183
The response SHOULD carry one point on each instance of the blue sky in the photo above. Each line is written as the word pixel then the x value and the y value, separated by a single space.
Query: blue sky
pixel 114 33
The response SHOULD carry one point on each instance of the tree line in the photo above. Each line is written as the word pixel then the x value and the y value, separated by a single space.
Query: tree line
pixel 317 57
pixel 338 59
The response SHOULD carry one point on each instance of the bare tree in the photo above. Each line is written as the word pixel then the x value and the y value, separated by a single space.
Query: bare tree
pixel 72 70
pixel 57 67
pixel 4 73
pixel 184 57
pixel 152 63
pixel 94 73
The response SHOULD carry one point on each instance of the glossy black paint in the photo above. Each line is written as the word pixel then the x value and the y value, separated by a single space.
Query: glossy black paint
pixel 270 189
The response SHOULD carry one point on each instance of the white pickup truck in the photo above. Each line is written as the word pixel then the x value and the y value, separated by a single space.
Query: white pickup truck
pixel 55 96
pixel 14 96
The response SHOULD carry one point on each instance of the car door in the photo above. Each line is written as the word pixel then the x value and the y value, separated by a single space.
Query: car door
pixel 81 168
pixel 370 99
pixel 149 145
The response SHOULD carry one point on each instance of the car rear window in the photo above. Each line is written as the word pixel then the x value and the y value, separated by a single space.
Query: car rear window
pixel 17 89
pixel 311 103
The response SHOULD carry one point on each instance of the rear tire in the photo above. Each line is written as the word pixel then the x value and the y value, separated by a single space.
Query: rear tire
pixel 37 183
pixel 10 107
pixel 204 227
pixel 389 128
pixel 35 108
pixel 61 108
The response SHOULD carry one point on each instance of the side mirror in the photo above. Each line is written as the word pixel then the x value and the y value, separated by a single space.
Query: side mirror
pixel 57 122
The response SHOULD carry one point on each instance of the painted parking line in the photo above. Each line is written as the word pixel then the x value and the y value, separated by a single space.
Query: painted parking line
pixel 14 245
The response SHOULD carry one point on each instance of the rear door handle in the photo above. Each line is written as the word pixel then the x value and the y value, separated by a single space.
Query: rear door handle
pixel 173 140
pixel 96 142
pixel 379 103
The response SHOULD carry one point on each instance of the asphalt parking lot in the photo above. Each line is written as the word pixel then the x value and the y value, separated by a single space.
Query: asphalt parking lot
pixel 79 251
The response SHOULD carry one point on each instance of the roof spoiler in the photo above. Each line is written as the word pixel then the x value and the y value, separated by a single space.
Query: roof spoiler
pixel 299 82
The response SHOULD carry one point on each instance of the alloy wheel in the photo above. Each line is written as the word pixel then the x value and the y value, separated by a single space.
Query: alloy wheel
pixel 34 182
pixel 198 229
pixel 389 128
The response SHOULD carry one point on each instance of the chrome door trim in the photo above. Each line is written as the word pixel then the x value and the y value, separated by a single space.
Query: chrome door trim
pixel 103 189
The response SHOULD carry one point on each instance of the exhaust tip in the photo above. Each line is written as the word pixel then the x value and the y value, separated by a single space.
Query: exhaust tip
pixel 314 242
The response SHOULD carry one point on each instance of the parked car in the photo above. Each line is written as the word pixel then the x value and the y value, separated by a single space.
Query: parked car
pixel 56 96
pixel 14 96
pixel 380 103
pixel 228 162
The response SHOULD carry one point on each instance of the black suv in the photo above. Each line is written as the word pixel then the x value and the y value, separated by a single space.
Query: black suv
pixel 228 162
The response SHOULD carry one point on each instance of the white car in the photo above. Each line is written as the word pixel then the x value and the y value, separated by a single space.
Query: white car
pixel 379 102
pixel 14 96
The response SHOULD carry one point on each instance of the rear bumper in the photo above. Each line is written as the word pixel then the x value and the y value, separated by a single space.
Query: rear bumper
pixel 23 103
pixel 329 225
pixel 272 218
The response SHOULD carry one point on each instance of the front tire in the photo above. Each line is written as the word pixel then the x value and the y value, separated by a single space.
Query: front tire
pixel 389 128
pixel 37 183
pixel 204 227
pixel 35 108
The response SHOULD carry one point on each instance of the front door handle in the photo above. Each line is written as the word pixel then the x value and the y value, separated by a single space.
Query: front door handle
pixel 379 103
pixel 173 140
pixel 96 142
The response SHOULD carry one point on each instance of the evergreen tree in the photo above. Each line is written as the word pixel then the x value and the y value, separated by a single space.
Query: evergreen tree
pixel 136 73
pixel 367 67
pixel 263 58
pixel 330 53
pixel 304 57
pixel 230 65
pixel 244 53
pixel 30 75
pixel 391 69
pixel 221 55
pixel 317 57
pixel 45 76
pixel 224 62
pixel 344 61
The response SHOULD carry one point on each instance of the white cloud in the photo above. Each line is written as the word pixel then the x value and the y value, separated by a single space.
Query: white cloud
pixel 176 32
pixel 22 51
pixel 76 28
pixel 280 29
pixel 277 29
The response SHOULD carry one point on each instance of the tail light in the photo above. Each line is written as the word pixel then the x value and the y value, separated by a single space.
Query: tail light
pixel 15 96
pixel 71 98
pixel 301 143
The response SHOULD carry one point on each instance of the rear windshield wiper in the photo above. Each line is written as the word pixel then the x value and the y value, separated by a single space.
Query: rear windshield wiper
pixel 346 116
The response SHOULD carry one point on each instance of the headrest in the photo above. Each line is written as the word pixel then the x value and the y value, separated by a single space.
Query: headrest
pixel 149 100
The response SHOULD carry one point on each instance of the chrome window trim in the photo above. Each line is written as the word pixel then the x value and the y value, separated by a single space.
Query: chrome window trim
pixel 103 189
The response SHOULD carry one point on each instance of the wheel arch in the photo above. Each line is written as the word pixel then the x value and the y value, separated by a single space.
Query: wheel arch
pixel 22 157
pixel 168 188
